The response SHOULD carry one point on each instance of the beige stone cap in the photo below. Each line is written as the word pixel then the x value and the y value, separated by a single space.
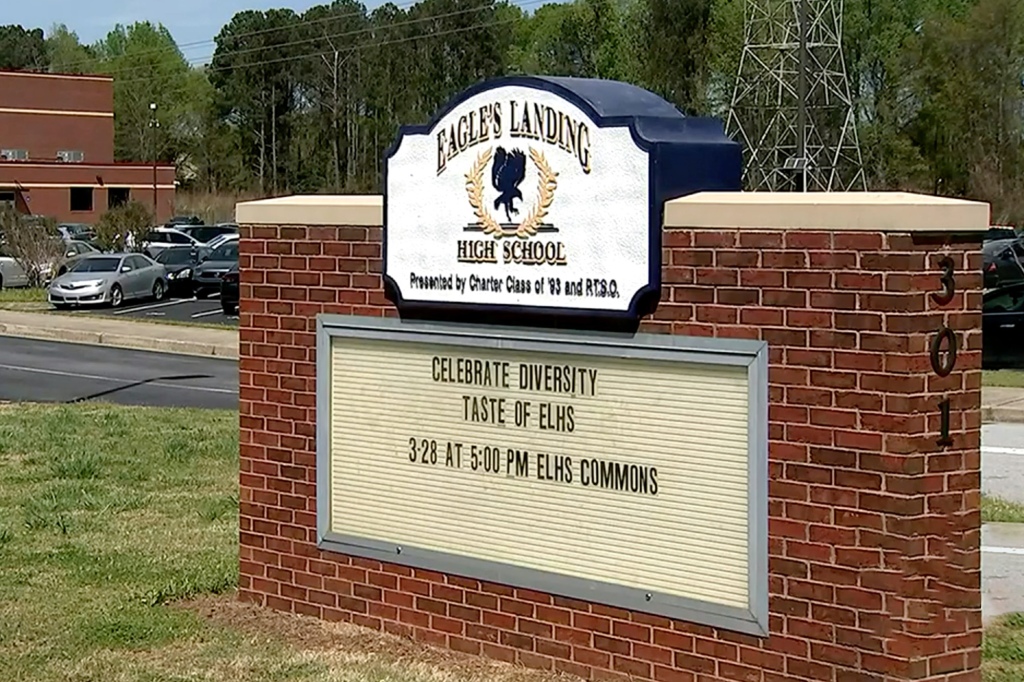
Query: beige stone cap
pixel 878 211
pixel 313 209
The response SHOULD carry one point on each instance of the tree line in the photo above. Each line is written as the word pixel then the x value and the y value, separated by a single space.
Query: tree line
pixel 307 102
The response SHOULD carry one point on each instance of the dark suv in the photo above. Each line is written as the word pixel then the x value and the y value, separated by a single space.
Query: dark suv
pixel 204 233
pixel 182 220
pixel 1003 262
pixel 229 291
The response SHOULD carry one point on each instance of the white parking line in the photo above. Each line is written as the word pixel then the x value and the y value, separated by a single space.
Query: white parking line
pixel 76 375
pixel 206 313
pixel 1002 451
pixel 127 311
pixel 1003 550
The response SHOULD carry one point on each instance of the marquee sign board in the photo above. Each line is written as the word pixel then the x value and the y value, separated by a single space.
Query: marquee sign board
pixel 542 197
pixel 624 470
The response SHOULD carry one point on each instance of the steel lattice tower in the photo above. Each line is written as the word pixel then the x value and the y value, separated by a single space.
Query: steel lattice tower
pixel 791 107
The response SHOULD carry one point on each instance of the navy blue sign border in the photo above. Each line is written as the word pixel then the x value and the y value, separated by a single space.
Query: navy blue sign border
pixel 644 302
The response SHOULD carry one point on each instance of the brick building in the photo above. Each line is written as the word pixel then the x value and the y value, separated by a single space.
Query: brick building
pixel 57 150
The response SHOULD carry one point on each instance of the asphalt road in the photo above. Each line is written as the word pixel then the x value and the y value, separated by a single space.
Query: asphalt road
pixel 206 310
pixel 1002 555
pixel 1002 461
pixel 47 371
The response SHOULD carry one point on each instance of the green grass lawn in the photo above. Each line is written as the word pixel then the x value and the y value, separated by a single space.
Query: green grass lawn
pixel 23 299
pixel 1003 650
pixel 996 510
pixel 22 295
pixel 1003 378
pixel 118 558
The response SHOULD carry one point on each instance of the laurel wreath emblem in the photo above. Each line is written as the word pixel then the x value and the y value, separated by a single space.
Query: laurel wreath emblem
pixel 547 183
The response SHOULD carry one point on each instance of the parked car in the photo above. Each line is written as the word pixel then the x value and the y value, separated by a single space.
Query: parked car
pixel 207 277
pixel 12 275
pixel 1002 324
pixel 229 291
pixel 1000 232
pixel 76 232
pixel 75 250
pixel 108 278
pixel 162 238
pixel 180 220
pixel 205 233
pixel 1003 262
pixel 180 263
pixel 217 241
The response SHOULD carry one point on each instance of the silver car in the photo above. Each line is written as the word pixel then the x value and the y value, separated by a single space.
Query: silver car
pixel 109 278
pixel 11 273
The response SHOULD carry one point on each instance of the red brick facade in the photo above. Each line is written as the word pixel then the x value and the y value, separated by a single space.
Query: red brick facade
pixel 874 528
pixel 43 114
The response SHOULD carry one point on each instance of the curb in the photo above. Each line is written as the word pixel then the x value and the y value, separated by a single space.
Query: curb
pixel 114 340
pixel 1006 415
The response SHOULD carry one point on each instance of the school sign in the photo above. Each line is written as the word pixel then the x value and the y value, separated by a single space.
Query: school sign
pixel 543 196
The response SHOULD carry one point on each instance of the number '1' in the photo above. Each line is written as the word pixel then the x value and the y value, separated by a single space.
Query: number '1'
pixel 944 438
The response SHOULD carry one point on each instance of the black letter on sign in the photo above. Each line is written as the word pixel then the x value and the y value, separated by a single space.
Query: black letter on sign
pixel 944 368
pixel 948 283
pixel 944 439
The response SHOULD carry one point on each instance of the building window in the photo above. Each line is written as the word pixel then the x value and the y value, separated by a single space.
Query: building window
pixel 6 199
pixel 117 196
pixel 14 154
pixel 81 198
pixel 71 156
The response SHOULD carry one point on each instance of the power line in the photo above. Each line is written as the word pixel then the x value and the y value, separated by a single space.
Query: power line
pixel 405 4
pixel 345 51
pixel 402 5
pixel 345 34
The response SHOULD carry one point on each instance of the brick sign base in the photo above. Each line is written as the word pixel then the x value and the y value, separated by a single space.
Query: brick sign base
pixel 874 526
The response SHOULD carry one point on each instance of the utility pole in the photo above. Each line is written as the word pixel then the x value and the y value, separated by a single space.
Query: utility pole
pixel 791 108
pixel 154 124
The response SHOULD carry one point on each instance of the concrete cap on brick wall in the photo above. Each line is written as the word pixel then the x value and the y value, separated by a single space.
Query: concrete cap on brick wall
pixel 876 211
pixel 313 209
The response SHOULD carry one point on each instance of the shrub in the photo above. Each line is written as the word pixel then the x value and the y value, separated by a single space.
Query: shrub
pixel 33 243
pixel 123 227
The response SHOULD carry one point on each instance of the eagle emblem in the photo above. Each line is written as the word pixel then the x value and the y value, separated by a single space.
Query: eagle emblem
pixel 507 173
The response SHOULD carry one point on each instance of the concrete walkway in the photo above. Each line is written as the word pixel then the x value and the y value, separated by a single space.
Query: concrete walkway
pixel 104 331
pixel 1002 404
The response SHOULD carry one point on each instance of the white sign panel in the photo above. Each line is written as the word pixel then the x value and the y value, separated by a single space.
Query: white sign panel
pixel 516 197
pixel 619 474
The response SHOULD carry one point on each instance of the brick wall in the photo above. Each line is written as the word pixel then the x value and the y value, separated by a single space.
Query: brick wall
pixel 874 529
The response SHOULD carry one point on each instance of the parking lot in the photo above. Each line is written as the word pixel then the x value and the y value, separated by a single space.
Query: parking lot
pixel 207 311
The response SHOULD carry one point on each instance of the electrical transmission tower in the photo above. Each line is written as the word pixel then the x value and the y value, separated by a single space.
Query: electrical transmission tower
pixel 791 107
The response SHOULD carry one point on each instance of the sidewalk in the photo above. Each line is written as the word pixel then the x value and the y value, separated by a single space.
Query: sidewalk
pixel 1002 404
pixel 103 331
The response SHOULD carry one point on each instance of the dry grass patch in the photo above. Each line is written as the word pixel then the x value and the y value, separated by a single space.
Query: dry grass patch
pixel 212 208
pixel 347 652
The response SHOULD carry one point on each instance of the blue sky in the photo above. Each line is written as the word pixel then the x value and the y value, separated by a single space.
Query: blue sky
pixel 193 23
